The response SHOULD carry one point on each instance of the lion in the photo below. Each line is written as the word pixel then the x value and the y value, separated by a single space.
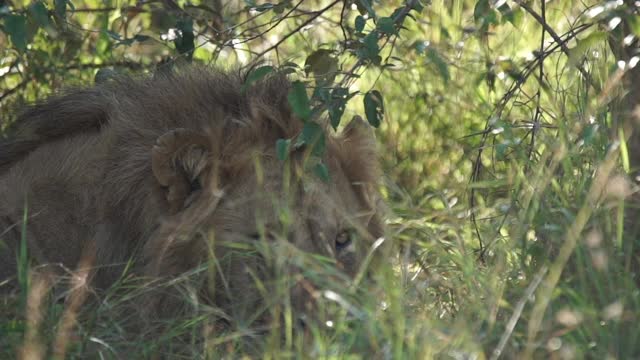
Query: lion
pixel 171 171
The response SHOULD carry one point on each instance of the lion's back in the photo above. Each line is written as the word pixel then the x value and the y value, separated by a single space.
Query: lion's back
pixel 51 189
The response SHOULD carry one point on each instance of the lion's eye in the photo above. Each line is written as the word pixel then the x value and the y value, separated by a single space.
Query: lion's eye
pixel 343 240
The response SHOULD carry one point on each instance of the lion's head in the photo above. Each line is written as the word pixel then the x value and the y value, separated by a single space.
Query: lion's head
pixel 223 195
pixel 181 171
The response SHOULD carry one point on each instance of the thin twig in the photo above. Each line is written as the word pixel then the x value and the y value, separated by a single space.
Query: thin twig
pixel 563 45
pixel 342 13
pixel 298 28
pixel 538 114
pixel 497 112
pixel 284 17
pixel 94 10
pixel 14 89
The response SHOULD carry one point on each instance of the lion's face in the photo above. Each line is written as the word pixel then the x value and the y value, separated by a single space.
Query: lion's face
pixel 257 218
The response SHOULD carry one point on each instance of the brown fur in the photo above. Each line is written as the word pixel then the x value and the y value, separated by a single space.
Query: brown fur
pixel 111 170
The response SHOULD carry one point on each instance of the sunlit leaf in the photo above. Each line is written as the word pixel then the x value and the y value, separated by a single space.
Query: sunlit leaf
pixel 374 107
pixel 593 39
pixel 323 65
pixel 337 104
pixel 634 23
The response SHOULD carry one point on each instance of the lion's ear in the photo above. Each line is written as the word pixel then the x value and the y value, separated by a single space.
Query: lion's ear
pixel 358 129
pixel 178 158
pixel 359 153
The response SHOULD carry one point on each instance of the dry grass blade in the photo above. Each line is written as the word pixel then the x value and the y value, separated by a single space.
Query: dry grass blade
pixel 573 233
pixel 78 295
pixel 33 348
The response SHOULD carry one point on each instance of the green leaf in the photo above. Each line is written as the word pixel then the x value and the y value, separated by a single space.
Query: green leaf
pixel 263 7
pixel 370 49
pixel 445 32
pixel 386 25
pixel 371 43
pixel 594 39
pixel 421 46
pixel 40 13
pixel 313 136
pixel 104 43
pixel 280 7
pixel 282 149
pixel 185 43
pixel 634 23
pixel 481 10
pixel 374 107
pixel 321 171
pixel 484 14
pixel 364 6
pixel 360 22
pixel 501 150
pixel 337 104
pixel 299 101
pixel 256 75
pixel 514 16
pixel 61 8
pixel 16 27
pixel 417 7
pixel 441 65
pixel 323 65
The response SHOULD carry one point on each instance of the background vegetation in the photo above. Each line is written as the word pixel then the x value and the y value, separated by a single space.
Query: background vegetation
pixel 506 134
